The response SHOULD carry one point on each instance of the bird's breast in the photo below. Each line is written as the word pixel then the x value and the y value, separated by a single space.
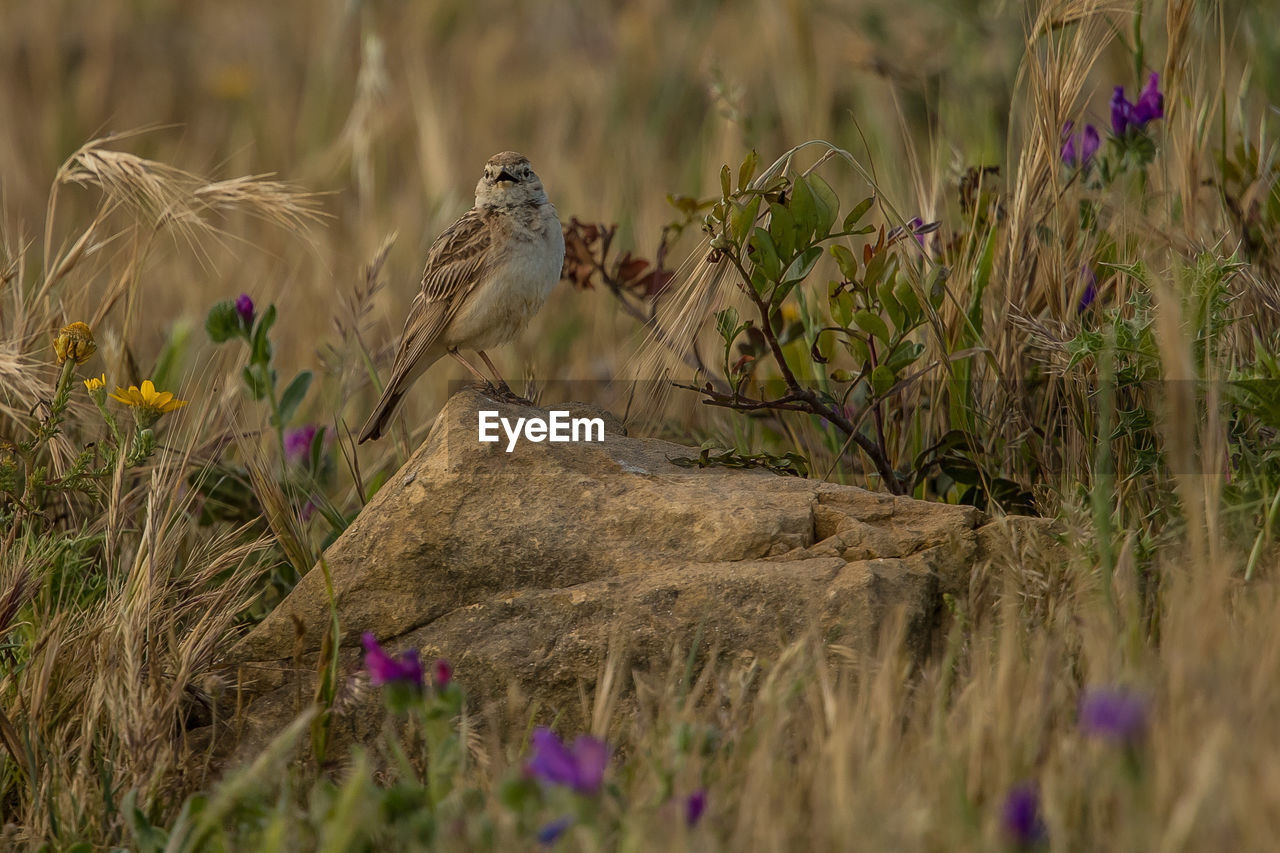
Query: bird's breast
pixel 511 290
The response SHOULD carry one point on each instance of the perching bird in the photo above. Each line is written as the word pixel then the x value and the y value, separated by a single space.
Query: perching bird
pixel 486 275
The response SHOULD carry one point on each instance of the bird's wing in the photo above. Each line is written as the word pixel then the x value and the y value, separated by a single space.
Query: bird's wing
pixel 454 265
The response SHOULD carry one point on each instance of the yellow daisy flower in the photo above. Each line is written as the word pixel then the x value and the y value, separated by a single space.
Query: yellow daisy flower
pixel 147 403
pixel 93 383
pixel 74 342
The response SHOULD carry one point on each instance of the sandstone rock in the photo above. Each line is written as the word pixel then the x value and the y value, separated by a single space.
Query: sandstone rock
pixel 521 567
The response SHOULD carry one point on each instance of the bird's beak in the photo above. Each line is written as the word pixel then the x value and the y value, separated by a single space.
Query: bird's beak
pixel 504 175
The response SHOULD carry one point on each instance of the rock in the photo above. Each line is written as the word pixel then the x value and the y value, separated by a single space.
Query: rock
pixel 521 567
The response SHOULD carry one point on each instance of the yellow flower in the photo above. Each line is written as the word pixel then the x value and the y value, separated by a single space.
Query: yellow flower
pixel 74 342
pixel 147 403
pixel 93 383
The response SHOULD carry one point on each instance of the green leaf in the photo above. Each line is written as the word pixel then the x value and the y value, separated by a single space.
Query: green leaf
pixel 766 254
pixel 780 292
pixel 872 325
pixel 256 380
pixel 858 349
pixel 840 301
pixel 804 207
pixel 317 448
pixel 727 324
pixel 961 470
pixel 747 170
pixel 882 379
pixel 171 356
pixel 884 291
pixel 293 395
pixel 261 344
pixel 686 205
pixel 802 265
pixel 906 295
pixel 266 321
pixel 828 204
pixel 782 228
pixel 981 278
pixel 760 282
pixel 875 269
pixel 815 353
pixel 145 835
pixel 792 463
pixel 726 190
pixel 729 329
pixel 842 375
pixel 847 261
pixel 904 356
pixel 937 286
pixel 859 210
pixel 222 323
pixel 743 218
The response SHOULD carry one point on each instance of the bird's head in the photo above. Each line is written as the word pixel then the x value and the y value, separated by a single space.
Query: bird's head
pixel 508 181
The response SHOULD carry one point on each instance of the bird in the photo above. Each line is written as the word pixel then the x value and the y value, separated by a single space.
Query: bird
pixel 485 276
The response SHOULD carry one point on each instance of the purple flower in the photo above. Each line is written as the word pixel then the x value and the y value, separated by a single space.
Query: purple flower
pixel 1113 714
pixel 1150 102
pixel 1020 818
pixel 297 442
pixel 694 805
pixel 1121 112
pixel 244 307
pixel 552 831
pixel 1150 106
pixel 1090 290
pixel 441 673
pixel 915 226
pixel 384 669
pixel 1089 142
pixel 580 767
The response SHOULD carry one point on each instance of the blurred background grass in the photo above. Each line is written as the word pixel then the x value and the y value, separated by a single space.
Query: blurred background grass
pixel 392 107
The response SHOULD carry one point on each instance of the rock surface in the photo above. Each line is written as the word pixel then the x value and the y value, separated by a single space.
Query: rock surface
pixel 522 567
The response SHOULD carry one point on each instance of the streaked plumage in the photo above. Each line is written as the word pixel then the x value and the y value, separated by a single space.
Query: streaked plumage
pixel 485 276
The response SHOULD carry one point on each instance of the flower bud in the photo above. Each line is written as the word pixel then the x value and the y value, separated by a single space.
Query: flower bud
pixel 75 343
pixel 244 308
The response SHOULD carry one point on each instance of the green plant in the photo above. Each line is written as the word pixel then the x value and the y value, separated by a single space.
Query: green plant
pixel 771 232
pixel 239 319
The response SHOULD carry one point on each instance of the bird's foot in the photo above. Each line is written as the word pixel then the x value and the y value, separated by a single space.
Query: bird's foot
pixel 483 386
pixel 503 390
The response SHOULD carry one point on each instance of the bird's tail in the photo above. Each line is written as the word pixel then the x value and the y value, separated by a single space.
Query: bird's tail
pixel 377 422
pixel 404 373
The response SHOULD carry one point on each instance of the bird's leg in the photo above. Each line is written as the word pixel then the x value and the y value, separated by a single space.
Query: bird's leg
pixel 477 374
pixel 502 383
